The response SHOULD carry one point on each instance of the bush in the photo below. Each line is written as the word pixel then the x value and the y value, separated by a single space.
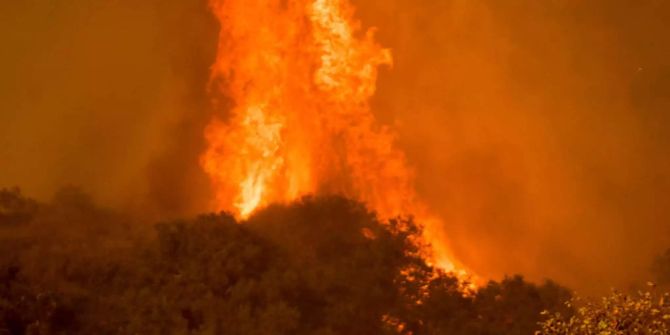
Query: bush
pixel 646 313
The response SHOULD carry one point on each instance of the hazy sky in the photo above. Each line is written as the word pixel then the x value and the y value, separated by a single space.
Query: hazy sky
pixel 537 128
pixel 106 95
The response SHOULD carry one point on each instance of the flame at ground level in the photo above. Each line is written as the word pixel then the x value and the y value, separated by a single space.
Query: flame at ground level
pixel 300 75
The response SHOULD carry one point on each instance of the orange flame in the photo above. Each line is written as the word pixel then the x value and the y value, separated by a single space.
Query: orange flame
pixel 300 74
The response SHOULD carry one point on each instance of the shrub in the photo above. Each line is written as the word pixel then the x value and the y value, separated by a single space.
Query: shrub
pixel 646 313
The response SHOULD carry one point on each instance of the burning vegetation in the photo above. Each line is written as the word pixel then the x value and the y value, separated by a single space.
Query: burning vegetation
pixel 314 221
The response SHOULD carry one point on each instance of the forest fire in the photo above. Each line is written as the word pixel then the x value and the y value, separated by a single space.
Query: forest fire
pixel 300 167
pixel 300 75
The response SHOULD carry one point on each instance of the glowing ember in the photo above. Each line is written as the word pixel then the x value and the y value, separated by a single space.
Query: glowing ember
pixel 300 74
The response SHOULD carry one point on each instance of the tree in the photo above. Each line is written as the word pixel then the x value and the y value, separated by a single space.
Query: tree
pixel 15 209
pixel 321 265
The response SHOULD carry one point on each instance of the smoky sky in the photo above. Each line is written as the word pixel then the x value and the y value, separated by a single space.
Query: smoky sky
pixel 109 96
pixel 536 129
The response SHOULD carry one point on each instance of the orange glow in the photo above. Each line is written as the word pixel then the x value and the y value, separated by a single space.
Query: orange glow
pixel 300 75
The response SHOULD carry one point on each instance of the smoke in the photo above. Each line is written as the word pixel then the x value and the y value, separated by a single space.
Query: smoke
pixel 109 96
pixel 536 128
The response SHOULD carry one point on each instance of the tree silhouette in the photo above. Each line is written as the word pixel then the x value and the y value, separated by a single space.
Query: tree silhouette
pixel 321 265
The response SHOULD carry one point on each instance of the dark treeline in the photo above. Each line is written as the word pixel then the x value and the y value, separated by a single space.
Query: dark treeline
pixel 318 266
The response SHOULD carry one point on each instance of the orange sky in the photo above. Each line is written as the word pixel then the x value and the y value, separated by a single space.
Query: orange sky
pixel 536 128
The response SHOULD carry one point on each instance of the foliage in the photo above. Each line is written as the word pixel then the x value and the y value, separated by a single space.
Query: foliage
pixel 511 306
pixel 318 266
pixel 646 313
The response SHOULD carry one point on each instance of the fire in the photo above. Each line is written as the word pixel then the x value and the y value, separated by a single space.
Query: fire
pixel 300 74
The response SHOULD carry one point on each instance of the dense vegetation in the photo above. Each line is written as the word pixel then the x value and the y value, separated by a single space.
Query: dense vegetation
pixel 318 266
pixel 646 313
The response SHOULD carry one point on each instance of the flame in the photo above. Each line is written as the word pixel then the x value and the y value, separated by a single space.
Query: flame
pixel 300 74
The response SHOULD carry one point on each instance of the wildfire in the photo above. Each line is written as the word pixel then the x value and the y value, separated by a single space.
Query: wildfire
pixel 300 74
